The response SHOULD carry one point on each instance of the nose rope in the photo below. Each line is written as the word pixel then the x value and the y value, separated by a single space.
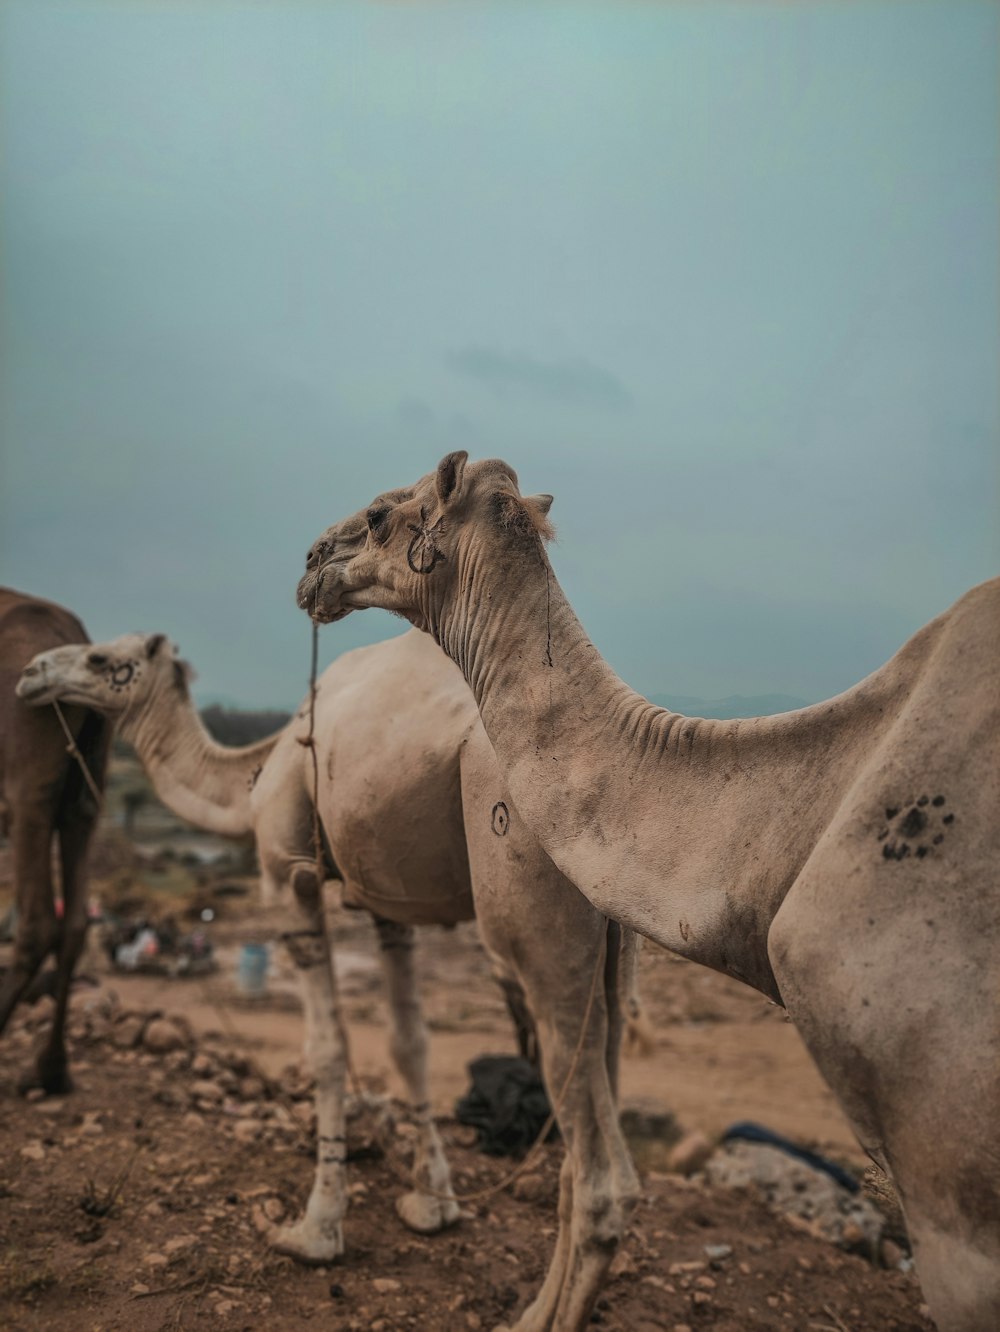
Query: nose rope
pixel 73 748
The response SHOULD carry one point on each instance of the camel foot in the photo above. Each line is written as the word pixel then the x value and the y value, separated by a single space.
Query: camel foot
pixel 310 1244
pixel 425 1214
pixel 52 1075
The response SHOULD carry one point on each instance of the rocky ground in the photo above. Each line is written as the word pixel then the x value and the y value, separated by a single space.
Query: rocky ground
pixel 141 1201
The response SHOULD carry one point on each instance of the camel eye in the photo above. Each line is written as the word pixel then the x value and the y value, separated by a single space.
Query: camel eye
pixel 97 660
pixel 376 517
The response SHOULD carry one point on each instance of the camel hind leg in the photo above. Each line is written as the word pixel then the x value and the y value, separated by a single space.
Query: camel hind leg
pixel 902 1020
pixel 430 1205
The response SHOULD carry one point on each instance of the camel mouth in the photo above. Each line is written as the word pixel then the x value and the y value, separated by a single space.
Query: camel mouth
pixel 34 689
pixel 320 596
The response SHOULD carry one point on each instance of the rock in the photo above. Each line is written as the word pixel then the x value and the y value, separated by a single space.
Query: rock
pixel 128 1031
pixel 247 1130
pixel 33 1095
pixel 273 1209
pixel 139 1288
pixel 623 1264
pixel 203 1065
pixel 386 1285
pixel 304 1113
pixel 34 1151
pixel 810 1200
pixel 251 1089
pixel 531 1188
pixel 691 1153
pixel 161 1037
pixel 686 1269
pixel 206 1090
pixel 645 1118
pixel 180 1243
pixel 718 1253
pixel 155 1260
pixel 891 1254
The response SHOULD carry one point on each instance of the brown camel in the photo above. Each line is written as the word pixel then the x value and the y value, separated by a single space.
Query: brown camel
pixel 402 757
pixel 43 794
pixel 842 859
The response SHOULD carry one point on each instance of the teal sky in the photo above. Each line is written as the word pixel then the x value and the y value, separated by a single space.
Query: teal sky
pixel 722 278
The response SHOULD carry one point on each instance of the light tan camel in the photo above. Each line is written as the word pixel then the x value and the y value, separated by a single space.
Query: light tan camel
pixel 402 756
pixel 43 796
pixel 842 859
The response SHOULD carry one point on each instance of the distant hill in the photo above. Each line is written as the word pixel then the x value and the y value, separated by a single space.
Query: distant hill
pixel 737 705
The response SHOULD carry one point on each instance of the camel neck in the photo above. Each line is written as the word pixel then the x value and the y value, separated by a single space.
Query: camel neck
pixel 688 830
pixel 202 781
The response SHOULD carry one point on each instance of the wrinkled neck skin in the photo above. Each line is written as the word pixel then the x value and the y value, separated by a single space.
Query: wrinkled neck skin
pixel 206 783
pixel 689 831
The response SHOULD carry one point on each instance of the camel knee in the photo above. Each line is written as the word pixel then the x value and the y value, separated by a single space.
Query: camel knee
pixel 36 937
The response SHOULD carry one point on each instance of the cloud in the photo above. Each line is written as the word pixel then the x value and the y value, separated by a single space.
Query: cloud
pixel 573 381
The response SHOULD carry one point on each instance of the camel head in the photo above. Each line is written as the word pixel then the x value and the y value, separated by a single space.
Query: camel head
pixel 113 678
pixel 406 550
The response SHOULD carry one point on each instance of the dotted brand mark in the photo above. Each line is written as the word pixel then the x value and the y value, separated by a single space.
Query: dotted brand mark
pixel 121 675
pixel 914 828
pixel 500 819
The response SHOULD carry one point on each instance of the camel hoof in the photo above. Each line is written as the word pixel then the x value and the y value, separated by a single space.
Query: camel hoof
pixel 51 1075
pixel 307 1244
pixel 424 1214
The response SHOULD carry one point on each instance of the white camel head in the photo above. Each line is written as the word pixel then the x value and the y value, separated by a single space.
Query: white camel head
pixel 406 551
pixel 113 678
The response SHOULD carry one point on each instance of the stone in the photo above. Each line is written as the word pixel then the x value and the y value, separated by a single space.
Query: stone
pixel 386 1285
pixel 128 1031
pixel 139 1288
pixel 155 1260
pixel 180 1243
pixel 206 1090
pixel 203 1065
pixel 891 1254
pixel 34 1151
pixel 251 1089
pixel 690 1153
pixel 247 1130
pixel 531 1188
pixel 161 1037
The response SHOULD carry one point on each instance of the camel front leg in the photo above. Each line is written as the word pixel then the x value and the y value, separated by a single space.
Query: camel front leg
pixel 74 837
pixel 318 1237
pixel 430 1206
pixel 37 928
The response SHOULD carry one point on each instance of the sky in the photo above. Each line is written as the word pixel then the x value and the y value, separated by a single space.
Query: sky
pixel 723 278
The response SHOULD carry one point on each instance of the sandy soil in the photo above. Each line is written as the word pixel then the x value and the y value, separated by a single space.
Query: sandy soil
pixel 182 1242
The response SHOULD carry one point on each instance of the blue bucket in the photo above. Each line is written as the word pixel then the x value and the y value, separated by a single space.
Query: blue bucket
pixel 252 971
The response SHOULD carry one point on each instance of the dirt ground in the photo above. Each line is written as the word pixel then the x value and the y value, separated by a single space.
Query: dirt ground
pixel 138 1204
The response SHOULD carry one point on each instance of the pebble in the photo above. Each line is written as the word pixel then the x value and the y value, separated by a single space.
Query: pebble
pixel 690 1154
pixel 531 1188
pixel 161 1037
pixel 128 1032
pixel 202 1065
pixel 155 1260
pixel 247 1130
pixel 206 1090
pixel 139 1288
pixel 34 1151
pixel 386 1285
pixel 179 1243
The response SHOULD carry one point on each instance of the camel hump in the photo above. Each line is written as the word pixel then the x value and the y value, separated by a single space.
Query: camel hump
pixel 37 621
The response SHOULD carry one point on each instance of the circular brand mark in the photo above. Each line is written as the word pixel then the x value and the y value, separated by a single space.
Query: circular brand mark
pixel 501 819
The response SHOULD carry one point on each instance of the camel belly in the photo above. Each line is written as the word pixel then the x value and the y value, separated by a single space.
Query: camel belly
pixel 408 907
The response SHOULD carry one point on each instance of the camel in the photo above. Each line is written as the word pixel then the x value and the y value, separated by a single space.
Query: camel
pixel 43 795
pixel 841 859
pixel 402 757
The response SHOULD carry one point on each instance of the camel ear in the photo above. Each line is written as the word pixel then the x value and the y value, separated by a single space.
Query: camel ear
pixel 541 502
pixel 153 644
pixel 450 471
